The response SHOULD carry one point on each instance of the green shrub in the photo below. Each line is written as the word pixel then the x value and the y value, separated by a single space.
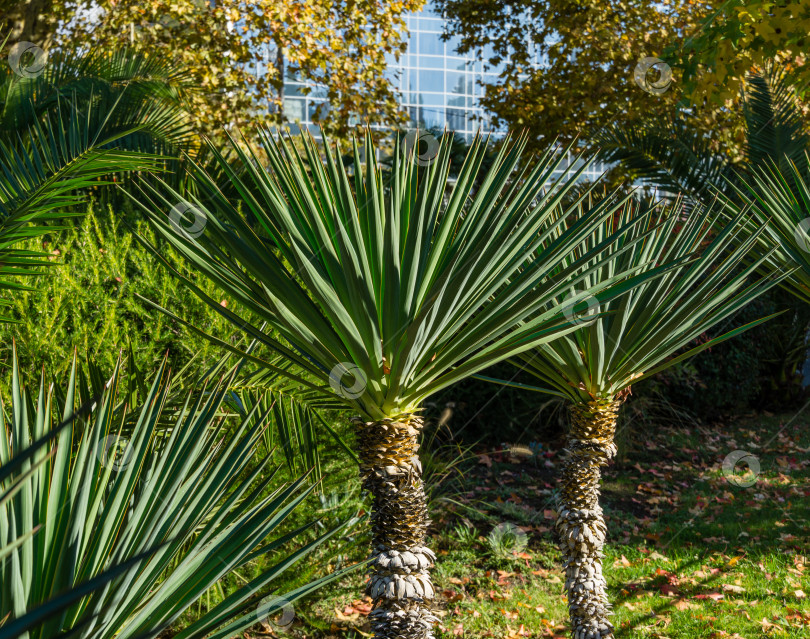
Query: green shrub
pixel 760 369
pixel 89 302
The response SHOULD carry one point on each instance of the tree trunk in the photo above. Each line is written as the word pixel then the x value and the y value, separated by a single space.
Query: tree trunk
pixel 580 524
pixel 28 21
pixel 400 582
pixel 280 69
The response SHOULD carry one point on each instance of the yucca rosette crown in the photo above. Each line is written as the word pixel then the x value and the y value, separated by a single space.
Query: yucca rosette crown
pixel 708 271
pixel 385 287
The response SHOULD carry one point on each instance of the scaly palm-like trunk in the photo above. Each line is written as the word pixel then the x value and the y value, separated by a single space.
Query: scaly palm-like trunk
pixel 400 582
pixel 580 525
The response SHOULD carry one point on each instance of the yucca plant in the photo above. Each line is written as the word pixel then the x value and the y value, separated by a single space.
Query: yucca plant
pixel 623 341
pixel 15 476
pixel 680 161
pixel 385 288
pixel 776 197
pixel 109 532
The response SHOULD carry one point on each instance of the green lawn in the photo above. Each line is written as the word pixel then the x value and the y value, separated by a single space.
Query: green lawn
pixel 690 552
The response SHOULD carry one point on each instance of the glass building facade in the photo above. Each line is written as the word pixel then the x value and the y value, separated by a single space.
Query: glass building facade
pixel 437 86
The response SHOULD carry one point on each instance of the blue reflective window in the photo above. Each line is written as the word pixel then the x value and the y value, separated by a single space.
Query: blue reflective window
pixel 488 52
pixel 317 110
pixel 431 62
pixel 430 44
pixel 436 85
pixel 459 83
pixel 431 99
pixel 456 119
pixel 431 24
pixel 394 76
pixel 430 80
pixel 452 44
pixel 433 116
pixel 409 81
pixel 293 88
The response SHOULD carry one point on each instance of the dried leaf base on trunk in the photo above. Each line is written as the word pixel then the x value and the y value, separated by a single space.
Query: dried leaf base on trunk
pixel 580 524
pixel 400 582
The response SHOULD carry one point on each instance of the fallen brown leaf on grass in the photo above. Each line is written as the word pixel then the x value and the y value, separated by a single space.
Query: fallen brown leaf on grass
pixel 342 615
pixel 768 626
pixel 800 616
pixel 733 588
pixel 624 562
pixel 710 595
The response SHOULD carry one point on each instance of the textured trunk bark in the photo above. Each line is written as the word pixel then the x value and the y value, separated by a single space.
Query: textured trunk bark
pixel 400 582
pixel 580 524
pixel 28 21
pixel 280 69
